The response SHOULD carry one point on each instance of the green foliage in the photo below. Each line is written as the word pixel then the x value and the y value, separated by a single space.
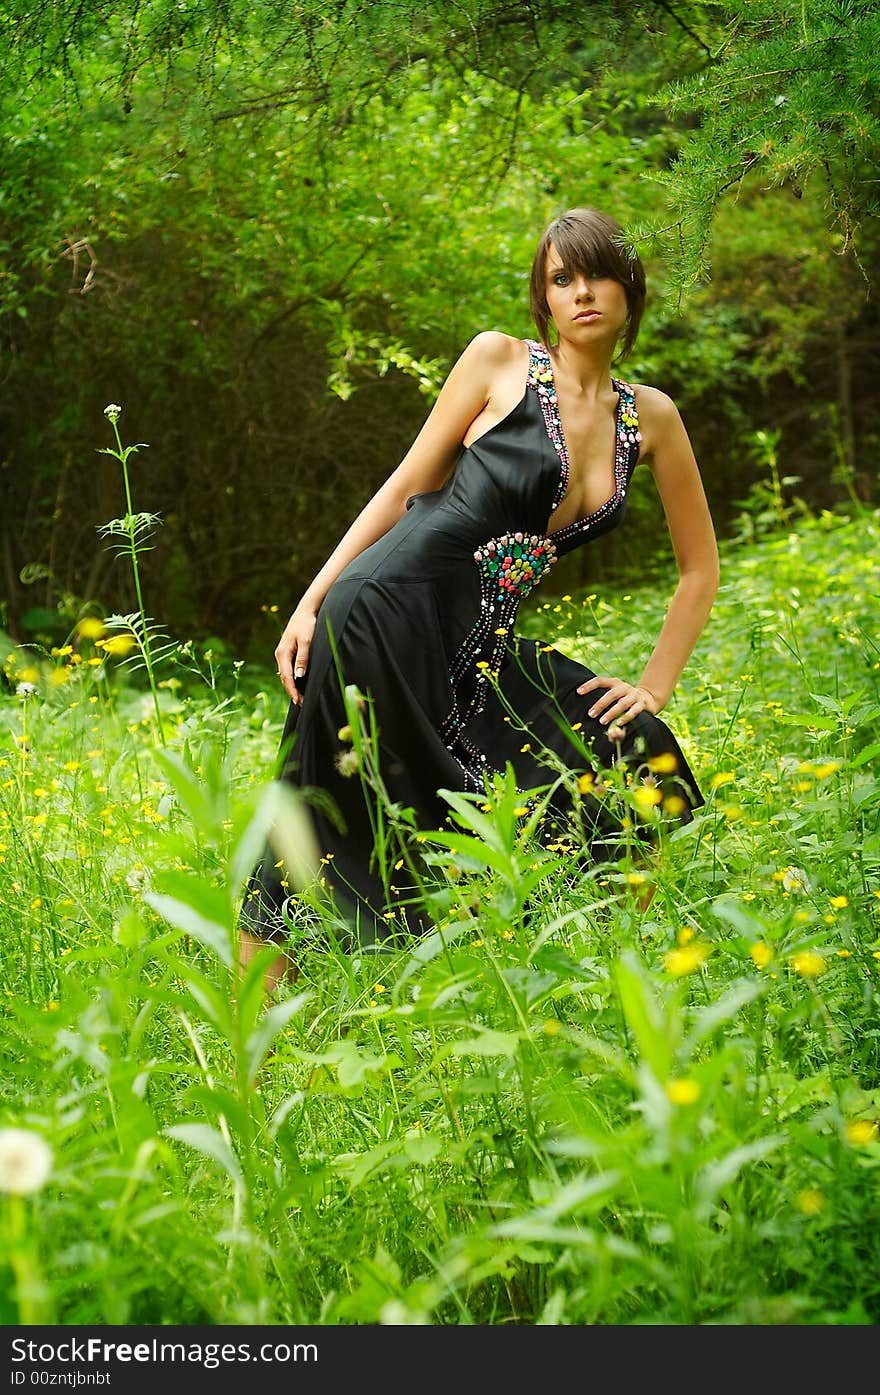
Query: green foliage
pixel 567 1103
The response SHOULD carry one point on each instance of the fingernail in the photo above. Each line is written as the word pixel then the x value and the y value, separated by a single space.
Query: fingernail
pixel 603 720
pixel 592 712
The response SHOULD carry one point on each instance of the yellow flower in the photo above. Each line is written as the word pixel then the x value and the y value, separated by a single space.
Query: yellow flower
pixel 119 645
pixel 646 796
pixel 822 771
pixel 551 1026
pixel 586 783
pixel 62 652
pixel 636 878
pixel 810 1201
pixel 683 1091
pixel 861 1131
pixel 71 765
pixel 664 764
pixel 808 963
pixel 344 733
pixel 526 747
pixel 761 954
pixel 379 987
pixel 679 962
pixel 685 935
pixel 576 726
pixel 90 627
pixel 674 804
pixel 838 902
pixel 724 777
pixel 57 676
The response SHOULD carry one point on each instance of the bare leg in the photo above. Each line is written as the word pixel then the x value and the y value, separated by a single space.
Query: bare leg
pixel 283 966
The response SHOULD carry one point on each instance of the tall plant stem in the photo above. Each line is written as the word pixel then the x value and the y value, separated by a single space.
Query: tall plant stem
pixel 122 455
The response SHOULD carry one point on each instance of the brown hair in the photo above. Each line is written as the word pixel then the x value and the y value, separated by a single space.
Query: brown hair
pixel 592 243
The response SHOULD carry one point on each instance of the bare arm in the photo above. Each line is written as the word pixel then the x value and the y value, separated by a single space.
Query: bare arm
pixel 680 487
pixel 696 552
pixel 464 395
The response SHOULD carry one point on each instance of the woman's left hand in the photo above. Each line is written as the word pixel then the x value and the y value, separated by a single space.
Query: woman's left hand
pixel 619 704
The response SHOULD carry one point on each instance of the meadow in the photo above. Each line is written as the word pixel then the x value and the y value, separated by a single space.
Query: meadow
pixel 572 1102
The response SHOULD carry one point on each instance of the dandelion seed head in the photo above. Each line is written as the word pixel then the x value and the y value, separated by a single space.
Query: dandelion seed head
pixel 25 1161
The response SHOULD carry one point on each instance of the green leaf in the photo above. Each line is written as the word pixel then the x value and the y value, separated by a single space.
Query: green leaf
pixel 211 1144
pixel 489 1043
pixel 710 1018
pixel 274 1021
pixel 719 1174
pixel 209 933
pixel 644 1016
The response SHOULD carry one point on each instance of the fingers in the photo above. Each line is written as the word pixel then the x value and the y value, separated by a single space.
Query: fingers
pixel 617 705
pixel 301 660
pixel 291 661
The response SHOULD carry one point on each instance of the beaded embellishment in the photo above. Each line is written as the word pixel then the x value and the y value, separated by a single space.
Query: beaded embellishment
pixel 515 562
pixel 512 564
pixel 626 436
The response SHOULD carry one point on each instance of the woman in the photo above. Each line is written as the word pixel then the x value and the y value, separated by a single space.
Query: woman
pixel 416 604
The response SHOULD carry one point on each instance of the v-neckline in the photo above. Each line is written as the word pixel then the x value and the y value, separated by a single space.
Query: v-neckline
pixel 560 445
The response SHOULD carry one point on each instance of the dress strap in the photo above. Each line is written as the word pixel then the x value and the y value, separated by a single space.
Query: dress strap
pixel 539 363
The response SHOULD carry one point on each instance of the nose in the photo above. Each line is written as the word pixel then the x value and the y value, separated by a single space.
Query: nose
pixel 583 286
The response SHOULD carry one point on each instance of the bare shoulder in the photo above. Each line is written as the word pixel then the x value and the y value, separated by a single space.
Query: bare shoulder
pixel 495 348
pixel 659 418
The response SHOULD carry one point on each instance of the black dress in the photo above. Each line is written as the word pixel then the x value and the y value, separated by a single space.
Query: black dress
pixel 422 622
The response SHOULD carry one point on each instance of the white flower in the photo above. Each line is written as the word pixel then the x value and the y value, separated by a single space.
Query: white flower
pixel 25 1161
pixel 348 762
pixel 138 879
pixel 112 412
pixel 25 690
pixel 795 879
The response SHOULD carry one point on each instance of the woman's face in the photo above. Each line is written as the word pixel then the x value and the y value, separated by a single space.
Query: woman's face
pixel 583 308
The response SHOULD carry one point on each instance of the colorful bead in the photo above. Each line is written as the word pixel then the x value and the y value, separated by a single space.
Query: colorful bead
pixel 627 436
pixel 511 565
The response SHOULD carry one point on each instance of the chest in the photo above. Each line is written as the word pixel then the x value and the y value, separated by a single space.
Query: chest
pixel 590 436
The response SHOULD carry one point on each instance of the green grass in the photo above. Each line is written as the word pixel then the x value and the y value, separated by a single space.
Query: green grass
pixel 559 1107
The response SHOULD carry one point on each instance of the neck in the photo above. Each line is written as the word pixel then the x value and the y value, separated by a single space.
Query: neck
pixel 586 368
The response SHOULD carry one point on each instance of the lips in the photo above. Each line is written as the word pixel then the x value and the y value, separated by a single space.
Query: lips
pixel 588 315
